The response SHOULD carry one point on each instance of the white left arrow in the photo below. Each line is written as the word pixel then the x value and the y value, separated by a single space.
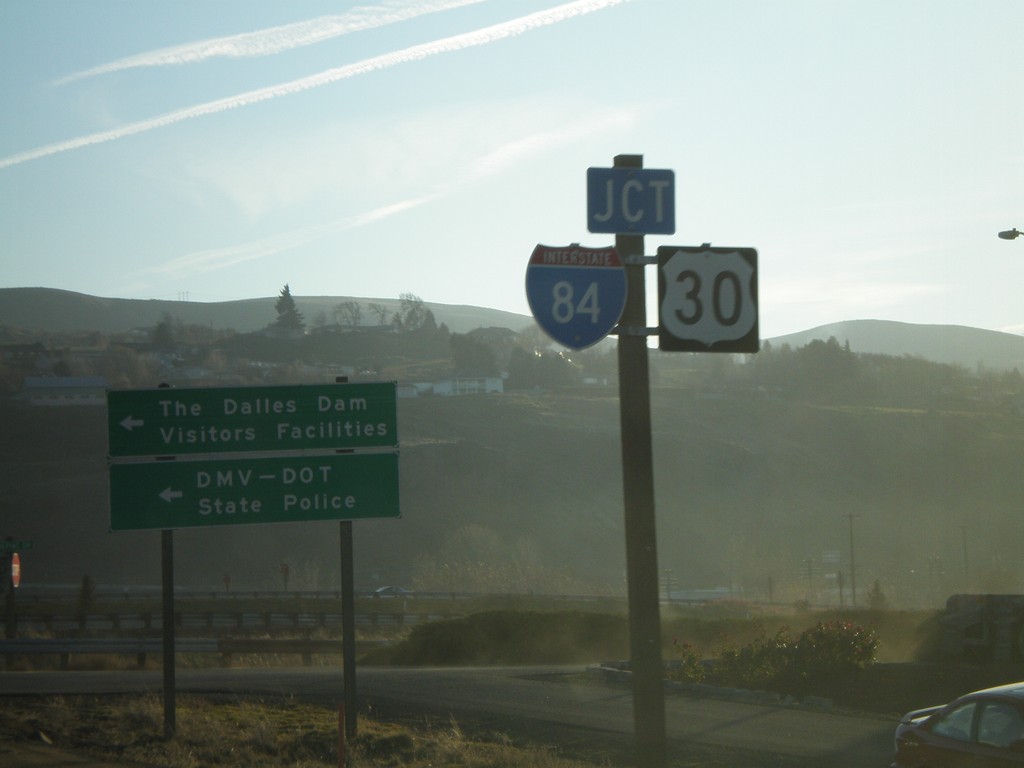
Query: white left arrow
pixel 128 423
pixel 168 495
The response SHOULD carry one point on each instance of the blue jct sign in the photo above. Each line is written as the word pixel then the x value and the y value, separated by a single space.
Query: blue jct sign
pixel 631 201
pixel 576 294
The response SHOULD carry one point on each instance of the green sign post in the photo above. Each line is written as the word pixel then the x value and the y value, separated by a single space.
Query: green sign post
pixel 188 458
pixel 175 422
pixel 238 491
pixel 14 546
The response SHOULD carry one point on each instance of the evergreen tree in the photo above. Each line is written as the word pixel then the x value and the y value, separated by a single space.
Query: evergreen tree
pixel 288 316
pixel 164 334
pixel 876 597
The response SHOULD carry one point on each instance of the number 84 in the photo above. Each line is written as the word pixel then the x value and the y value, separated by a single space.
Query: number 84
pixel 564 308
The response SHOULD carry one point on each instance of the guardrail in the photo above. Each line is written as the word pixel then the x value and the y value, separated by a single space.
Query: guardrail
pixel 40 592
pixel 140 647
pixel 212 621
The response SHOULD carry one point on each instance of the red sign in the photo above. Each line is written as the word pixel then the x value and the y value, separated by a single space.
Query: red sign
pixel 15 569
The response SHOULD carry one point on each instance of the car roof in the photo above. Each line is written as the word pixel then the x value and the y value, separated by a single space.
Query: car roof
pixel 1012 690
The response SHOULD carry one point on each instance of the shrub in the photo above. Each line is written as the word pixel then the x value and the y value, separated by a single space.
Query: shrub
pixel 830 650
pixel 757 664
pixel 690 668
pixel 511 637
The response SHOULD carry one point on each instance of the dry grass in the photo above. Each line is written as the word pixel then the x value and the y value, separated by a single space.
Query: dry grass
pixel 255 733
pixel 234 731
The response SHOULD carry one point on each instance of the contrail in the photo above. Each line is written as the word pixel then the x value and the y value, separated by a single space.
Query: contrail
pixel 220 258
pixel 267 42
pixel 415 53
pixel 209 260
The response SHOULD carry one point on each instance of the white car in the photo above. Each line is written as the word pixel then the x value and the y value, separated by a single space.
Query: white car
pixel 980 729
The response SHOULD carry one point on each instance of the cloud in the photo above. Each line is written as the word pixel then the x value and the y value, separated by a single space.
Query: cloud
pixel 267 42
pixel 210 260
pixel 514 151
pixel 460 42
pixel 488 164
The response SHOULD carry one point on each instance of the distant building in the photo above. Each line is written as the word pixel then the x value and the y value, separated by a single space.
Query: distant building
pixel 407 390
pixel 25 355
pixel 64 390
pixel 469 385
pixel 458 385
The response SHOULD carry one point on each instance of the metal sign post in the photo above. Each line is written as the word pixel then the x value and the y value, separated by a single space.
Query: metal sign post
pixel 236 455
pixel 638 495
pixel 348 627
pixel 707 303
pixel 167 584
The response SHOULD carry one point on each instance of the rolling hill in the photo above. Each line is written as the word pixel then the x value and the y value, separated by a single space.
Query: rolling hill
pixel 522 491
pixel 51 310
pixel 955 344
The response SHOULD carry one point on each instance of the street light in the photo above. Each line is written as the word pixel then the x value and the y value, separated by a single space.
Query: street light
pixel 1011 234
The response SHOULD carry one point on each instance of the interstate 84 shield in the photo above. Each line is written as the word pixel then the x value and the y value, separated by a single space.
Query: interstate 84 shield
pixel 576 294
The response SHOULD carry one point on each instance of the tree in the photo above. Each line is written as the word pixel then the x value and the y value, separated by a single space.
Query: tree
pixel 349 313
pixel 123 367
pixel 539 369
pixel 413 315
pixel 380 312
pixel 876 597
pixel 288 316
pixel 429 325
pixel 164 334
pixel 470 356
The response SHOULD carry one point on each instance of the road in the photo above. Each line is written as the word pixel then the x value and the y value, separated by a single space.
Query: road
pixel 544 701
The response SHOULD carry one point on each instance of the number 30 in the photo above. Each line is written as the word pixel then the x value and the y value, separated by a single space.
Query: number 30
pixel 686 295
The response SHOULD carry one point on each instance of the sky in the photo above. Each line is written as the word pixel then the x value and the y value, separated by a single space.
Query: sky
pixel 870 150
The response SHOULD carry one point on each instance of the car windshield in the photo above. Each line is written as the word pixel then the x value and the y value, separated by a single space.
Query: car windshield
pixel 955 723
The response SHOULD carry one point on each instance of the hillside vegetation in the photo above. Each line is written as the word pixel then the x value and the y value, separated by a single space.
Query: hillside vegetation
pixel 522 491
pixel 771 470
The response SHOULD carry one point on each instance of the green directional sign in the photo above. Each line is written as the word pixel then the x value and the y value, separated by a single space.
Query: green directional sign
pixel 186 494
pixel 15 546
pixel 174 422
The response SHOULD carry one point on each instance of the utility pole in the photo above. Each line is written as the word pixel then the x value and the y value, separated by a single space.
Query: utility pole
pixel 963 536
pixel 853 562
